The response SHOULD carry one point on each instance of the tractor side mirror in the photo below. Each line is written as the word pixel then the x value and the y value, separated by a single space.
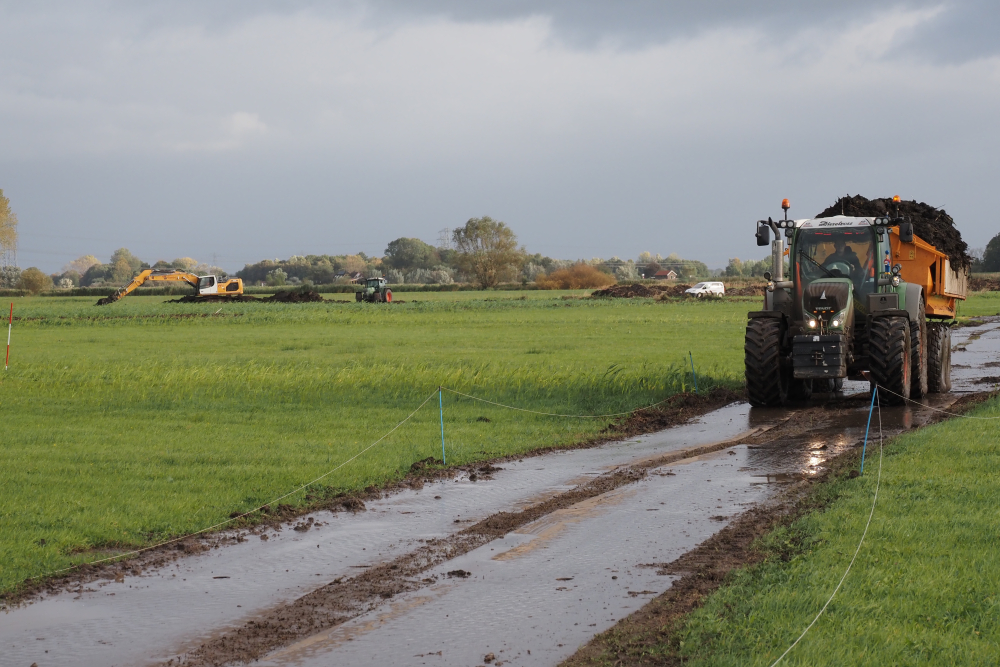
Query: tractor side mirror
pixel 906 232
pixel 763 235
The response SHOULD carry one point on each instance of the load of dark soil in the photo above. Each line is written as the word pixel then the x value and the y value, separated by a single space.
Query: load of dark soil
pixel 931 224
pixel 308 296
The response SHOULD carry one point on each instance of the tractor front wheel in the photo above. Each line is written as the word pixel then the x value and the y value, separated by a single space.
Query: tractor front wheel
pixel 938 358
pixel 387 297
pixel 767 385
pixel 890 356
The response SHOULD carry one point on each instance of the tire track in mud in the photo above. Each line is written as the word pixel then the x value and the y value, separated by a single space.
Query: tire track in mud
pixel 706 568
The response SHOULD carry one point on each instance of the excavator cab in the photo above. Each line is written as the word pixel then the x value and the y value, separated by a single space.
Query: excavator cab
pixel 212 285
pixel 208 285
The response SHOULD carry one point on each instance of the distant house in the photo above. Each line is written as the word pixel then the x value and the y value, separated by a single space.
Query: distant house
pixel 340 274
pixel 666 274
pixel 357 277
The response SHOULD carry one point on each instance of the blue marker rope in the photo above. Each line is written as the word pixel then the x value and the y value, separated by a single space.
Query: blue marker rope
pixel 867 428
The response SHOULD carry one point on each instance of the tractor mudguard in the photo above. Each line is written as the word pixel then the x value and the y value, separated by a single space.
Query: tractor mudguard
pixel 911 300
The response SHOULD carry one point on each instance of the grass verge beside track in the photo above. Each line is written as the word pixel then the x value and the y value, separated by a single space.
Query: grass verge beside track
pixel 924 589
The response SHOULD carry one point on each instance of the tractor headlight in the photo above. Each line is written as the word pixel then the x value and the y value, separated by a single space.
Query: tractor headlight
pixel 770 285
pixel 839 319
pixel 895 281
pixel 812 324
pixel 896 269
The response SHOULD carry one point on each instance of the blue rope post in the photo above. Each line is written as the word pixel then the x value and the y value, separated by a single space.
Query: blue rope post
pixel 865 446
pixel 444 461
pixel 693 373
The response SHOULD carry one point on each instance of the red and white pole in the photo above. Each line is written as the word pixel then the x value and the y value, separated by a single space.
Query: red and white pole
pixel 9 323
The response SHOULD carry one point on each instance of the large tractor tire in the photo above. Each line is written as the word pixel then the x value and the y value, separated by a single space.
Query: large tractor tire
pixel 890 358
pixel 918 355
pixel 359 296
pixel 938 358
pixel 387 296
pixel 767 385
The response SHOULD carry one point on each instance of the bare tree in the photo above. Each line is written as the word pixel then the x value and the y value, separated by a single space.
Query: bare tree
pixel 487 249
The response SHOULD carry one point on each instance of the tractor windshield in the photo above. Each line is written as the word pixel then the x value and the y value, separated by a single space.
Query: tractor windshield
pixel 836 253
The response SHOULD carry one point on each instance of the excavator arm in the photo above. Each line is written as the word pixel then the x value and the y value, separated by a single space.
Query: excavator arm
pixel 151 274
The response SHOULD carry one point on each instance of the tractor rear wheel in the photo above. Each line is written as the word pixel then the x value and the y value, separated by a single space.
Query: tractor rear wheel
pixel 767 385
pixel 918 355
pixel 938 358
pixel 890 357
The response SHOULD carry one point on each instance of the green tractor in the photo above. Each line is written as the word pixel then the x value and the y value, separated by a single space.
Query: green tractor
pixel 848 311
pixel 375 290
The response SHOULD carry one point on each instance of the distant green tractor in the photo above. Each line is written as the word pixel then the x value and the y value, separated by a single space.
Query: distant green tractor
pixel 374 291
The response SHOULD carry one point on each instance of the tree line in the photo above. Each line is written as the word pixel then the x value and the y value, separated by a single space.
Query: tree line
pixel 484 251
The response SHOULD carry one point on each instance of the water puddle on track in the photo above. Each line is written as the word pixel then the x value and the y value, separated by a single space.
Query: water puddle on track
pixel 545 588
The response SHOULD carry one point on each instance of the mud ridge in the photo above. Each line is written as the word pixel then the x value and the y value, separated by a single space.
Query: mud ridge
pixel 704 569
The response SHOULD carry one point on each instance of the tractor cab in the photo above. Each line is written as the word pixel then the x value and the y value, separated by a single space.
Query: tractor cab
pixel 375 291
pixel 832 269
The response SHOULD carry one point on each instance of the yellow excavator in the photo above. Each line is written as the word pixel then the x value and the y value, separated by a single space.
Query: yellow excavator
pixel 209 287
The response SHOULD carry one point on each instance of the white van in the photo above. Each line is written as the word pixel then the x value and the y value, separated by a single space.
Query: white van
pixel 707 289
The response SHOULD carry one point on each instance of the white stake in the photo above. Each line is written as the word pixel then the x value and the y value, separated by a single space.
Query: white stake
pixel 9 323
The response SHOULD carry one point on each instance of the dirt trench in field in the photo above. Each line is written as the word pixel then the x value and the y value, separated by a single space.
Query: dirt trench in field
pixel 527 559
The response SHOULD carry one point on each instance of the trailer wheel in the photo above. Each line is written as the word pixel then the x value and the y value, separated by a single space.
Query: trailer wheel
pixel 767 385
pixel 890 357
pixel 918 355
pixel 938 358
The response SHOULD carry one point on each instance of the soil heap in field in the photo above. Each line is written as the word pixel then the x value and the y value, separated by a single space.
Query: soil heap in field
pixel 984 284
pixel 309 296
pixel 931 224
pixel 637 290
pixel 212 298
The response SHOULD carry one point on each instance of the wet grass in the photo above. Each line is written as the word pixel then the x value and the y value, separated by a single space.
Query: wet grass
pixel 924 589
pixel 127 424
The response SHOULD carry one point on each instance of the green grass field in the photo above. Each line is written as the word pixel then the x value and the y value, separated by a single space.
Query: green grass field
pixel 925 588
pixel 130 423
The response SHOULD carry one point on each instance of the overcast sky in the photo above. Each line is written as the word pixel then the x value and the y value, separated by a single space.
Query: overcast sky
pixel 242 130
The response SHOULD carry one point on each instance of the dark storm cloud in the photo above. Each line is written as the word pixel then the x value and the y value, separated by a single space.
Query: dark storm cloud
pixel 590 127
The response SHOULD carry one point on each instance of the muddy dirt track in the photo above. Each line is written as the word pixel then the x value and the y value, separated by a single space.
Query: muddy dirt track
pixel 525 559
